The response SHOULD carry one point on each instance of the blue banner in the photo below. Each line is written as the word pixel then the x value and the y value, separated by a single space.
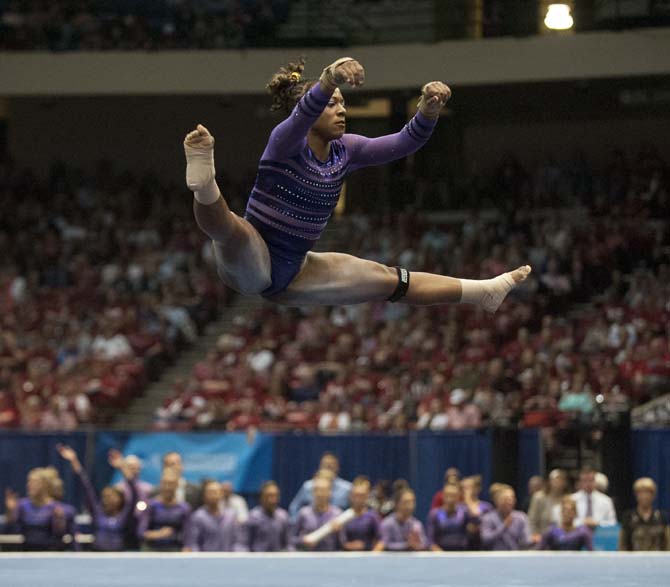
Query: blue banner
pixel 242 459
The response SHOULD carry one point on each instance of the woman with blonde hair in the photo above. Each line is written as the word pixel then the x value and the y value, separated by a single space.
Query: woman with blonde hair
pixel 40 518
pixel 644 528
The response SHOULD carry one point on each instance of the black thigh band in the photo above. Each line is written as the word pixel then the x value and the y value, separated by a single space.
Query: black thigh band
pixel 403 285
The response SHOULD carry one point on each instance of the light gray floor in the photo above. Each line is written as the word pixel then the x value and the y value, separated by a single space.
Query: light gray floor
pixel 560 570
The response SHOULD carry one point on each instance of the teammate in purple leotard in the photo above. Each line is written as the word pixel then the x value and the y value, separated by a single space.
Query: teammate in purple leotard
pixel 361 533
pixel 267 528
pixel 299 179
pixel 450 527
pixel 567 536
pixel 162 524
pixel 43 521
pixel 112 514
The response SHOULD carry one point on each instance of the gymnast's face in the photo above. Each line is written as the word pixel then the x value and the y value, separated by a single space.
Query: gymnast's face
pixel 321 493
pixel 568 512
pixel 331 124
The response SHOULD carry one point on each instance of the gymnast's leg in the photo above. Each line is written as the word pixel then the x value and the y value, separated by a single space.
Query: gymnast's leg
pixel 242 257
pixel 339 279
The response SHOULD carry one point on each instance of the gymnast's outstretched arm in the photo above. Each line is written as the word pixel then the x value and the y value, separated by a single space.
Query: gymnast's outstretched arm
pixel 366 151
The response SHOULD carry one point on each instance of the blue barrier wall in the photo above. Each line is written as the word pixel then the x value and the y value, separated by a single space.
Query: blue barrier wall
pixel 21 452
pixel 651 458
pixel 468 451
pixel 530 458
pixel 290 459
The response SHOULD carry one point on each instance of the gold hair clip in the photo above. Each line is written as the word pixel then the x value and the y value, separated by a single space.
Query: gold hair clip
pixel 295 76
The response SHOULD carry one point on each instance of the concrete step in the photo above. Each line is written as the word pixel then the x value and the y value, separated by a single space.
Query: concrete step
pixel 141 411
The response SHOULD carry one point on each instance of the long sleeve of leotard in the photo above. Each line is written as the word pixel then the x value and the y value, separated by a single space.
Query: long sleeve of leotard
pixel 289 136
pixel 364 151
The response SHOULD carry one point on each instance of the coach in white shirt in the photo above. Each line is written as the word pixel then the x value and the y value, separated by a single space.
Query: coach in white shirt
pixel 593 508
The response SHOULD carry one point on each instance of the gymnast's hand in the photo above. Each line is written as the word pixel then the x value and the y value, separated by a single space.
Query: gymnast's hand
pixel 343 71
pixel 434 95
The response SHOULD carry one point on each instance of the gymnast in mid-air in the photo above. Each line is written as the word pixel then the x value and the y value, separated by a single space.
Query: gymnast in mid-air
pixel 300 175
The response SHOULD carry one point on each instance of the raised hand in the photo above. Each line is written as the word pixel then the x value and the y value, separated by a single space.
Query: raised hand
pixel 70 456
pixel 434 95
pixel 115 458
pixel 345 70
pixel 11 501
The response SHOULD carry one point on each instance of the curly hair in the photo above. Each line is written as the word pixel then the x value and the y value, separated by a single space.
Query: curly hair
pixel 287 86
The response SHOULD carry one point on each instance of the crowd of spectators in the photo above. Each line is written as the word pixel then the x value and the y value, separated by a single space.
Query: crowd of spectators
pixel 102 282
pixel 333 514
pixel 583 340
pixel 100 25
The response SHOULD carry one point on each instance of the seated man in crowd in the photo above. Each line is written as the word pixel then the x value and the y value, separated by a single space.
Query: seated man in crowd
pixel 644 528
pixel 267 529
pixel 593 507
pixel 567 535
pixel 361 533
pixel 505 528
pixel 212 528
pixel 401 531
pixel 340 491
pixel 162 525
pixel 312 517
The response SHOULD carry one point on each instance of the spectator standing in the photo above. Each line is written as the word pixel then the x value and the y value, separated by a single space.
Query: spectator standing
pixel 340 490
pixel 644 528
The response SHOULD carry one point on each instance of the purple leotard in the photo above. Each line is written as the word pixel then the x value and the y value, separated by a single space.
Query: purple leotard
pixel 40 526
pixel 295 193
pixel 557 538
pixel 449 531
pixel 110 532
